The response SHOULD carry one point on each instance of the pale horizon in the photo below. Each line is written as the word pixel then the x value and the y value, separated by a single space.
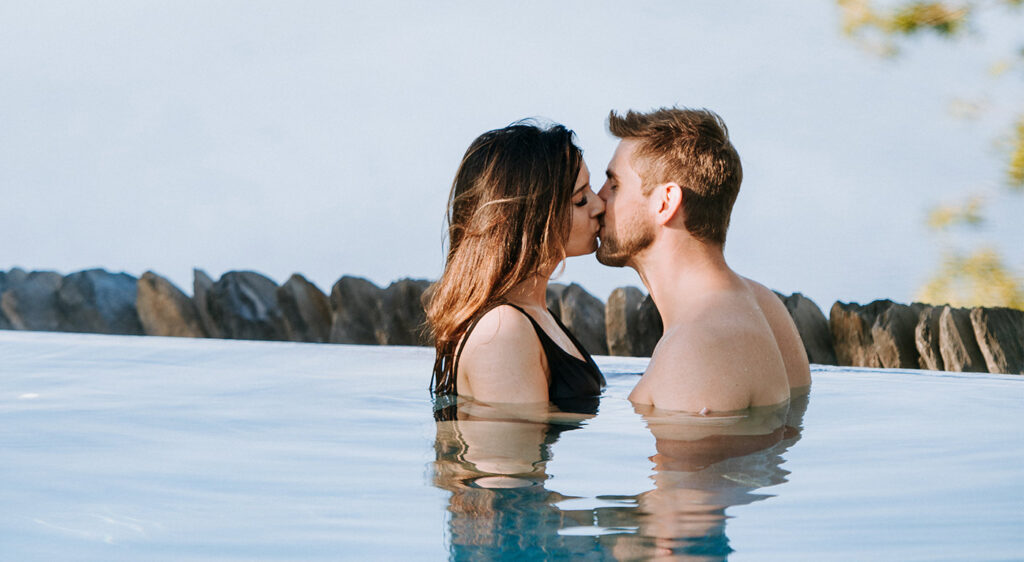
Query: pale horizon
pixel 321 139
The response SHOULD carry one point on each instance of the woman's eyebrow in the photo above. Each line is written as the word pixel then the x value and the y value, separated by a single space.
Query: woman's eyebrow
pixel 581 188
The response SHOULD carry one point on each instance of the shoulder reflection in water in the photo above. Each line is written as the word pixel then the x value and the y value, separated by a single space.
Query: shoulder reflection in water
pixel 493 459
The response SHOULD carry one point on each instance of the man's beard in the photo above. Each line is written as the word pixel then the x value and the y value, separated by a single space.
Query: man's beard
pixel 617 253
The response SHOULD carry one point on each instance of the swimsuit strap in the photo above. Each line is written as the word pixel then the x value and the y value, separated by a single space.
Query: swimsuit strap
pixel 576 342
pixel 536 326
pixel 544 335
pixel 541 334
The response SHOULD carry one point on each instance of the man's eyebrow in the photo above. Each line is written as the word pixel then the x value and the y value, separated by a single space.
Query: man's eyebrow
pixel 609 173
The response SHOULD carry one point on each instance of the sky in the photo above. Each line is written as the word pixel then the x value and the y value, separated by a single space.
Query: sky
pixel 322 137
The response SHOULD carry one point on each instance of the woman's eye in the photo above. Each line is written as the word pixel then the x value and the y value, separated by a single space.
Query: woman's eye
pixel 581 202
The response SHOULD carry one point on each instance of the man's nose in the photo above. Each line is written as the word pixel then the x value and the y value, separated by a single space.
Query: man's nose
pixel 603 193
pixel 597 209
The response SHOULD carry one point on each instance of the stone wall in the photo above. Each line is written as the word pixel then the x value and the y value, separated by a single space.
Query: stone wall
pixel 248 305
pixel 917 336
pixel 239 305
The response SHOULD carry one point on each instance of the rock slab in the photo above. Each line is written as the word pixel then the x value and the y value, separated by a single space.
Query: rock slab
pixel 926 339
pixel 202 284
pixel 583 315
pixel 5 324
pixel 957 343
pixel 893 335
pixel 649 327
pixel 851 334
pixel 879 334
pixel 243 305
pixel 355 306
pixel 164 310
pixel 632 323
pixel 305 309
pixel 1000 335
pixel 813 328
pixel 29 301
pixel 620 314
pixel 96 301
pixel 403 320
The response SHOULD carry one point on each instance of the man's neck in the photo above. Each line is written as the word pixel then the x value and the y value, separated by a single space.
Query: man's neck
pixel 677 271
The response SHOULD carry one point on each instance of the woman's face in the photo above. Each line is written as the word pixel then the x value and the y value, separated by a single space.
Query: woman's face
pixel 586 208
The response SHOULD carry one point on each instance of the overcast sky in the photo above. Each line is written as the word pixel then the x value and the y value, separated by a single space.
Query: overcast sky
pixel 322 137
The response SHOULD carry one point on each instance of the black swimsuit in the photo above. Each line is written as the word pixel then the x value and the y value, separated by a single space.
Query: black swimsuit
pixel 575 383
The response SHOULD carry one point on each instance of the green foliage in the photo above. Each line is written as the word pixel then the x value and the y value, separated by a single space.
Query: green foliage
pixel 976 279
pixel 861 19
pixel 1015 170
pixel 967 213
pixel 926 16
pixel 980 277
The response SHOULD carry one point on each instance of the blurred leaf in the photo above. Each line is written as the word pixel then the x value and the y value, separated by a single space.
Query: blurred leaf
pixel 855 15
pixel 1015 169
pixel 977 279
pixel 944 18
pixel 939 17
pixel 981 277
pixel 1000 67
pixel 963 108
pixel 969 213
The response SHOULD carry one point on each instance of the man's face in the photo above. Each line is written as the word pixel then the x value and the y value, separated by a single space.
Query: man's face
pixel 626 230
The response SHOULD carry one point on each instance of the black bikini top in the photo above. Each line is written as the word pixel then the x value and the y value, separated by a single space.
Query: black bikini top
pixel 575 383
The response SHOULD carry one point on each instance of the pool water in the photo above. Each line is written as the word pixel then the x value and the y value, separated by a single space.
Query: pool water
pixel 131 448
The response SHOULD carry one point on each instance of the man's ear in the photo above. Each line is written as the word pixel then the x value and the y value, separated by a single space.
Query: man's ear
pixel 668 200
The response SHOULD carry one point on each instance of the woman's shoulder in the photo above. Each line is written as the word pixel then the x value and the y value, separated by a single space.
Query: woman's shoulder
pixel 502 326
pixel 502 359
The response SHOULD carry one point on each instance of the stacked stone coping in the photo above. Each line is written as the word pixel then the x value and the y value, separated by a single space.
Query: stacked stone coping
pixel 249 305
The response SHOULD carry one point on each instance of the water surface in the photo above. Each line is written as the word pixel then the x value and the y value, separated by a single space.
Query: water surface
pixel 124 448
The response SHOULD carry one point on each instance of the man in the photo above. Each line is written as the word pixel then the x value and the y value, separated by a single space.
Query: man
pixel 728 342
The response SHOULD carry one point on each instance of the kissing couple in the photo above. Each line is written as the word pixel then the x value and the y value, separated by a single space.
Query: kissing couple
pixel 522 201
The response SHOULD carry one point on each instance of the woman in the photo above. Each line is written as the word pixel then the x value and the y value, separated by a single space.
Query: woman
pixel 520 204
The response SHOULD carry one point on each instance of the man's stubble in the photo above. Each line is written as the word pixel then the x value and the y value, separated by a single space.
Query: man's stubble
pixel 638 235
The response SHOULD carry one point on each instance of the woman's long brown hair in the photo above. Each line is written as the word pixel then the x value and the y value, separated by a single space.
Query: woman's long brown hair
pixel 508 220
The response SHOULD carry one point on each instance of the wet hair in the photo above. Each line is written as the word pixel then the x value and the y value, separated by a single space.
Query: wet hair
pixel 508 219
pixel 691 148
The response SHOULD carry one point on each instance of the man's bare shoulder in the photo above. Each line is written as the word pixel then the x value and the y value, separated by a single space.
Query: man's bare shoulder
pixel 697 368
pixel 786 335
pixel 722 356
pixel 766 298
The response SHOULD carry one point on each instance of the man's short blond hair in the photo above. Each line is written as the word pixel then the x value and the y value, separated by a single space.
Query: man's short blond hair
pixel 691 148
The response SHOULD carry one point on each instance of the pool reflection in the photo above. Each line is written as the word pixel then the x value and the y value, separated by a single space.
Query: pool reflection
pixel 493 460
